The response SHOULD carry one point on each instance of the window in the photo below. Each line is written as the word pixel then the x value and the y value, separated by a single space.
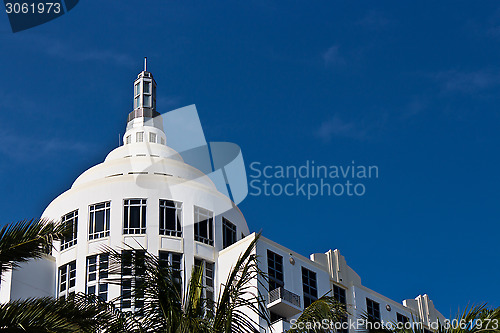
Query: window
pixel 339 295
pixel 137 89
pixel 275 270
pixel 97 271
pixel 228 233
pixel 203 226
pixel 147 101
pixel 373 309
pixel 128 139
pixel 67 279
pixel 132 271
pixel 208 278
pixel 139 136
pixel 137 102
pixel 99 220
pixel 162 141
pixel 309 286
pixel 134 216
pixel 174 261
pixel 147 87
pixel 70 220
pixel 152 137
pixel 170 218
pixel 402 318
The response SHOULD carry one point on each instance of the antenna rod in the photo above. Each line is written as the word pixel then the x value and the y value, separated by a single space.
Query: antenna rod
pixel 145 64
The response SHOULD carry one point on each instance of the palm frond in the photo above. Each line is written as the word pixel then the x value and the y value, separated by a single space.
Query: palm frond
pixel 24 240
pixel 326 308
pixel 47 314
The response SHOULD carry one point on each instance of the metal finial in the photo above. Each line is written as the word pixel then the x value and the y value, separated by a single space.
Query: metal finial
pixel 145 64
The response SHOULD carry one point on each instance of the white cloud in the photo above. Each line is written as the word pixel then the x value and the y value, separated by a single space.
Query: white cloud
pixel 336 127
pixel 468 82
pixel 374 20
pixel 332 56
pixel 70 51
pixel 31 149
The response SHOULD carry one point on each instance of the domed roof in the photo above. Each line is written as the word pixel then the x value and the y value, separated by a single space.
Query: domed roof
pixel 140 159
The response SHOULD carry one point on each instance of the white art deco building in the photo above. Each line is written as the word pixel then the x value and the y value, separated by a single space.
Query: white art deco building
pixel 144 196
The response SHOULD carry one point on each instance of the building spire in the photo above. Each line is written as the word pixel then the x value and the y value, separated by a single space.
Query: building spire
pixel 144 114
pixel 144 95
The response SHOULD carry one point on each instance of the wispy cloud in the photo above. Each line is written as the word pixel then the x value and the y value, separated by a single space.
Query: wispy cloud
pixel 415 106
pixel 332 56
pixel 30 149
pixel 13 100
pixel 67 50
pixel 374 20
pixel 336 127
pixel 468 82
pixel 169 102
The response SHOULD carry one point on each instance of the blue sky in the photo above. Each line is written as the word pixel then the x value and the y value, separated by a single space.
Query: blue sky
pixel 413 88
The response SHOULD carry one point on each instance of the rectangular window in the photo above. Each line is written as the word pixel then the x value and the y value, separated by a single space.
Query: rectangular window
pixel 402 318
pixel 152 137
pixel 228 233
pixel 162 141
pixel 208 278
pixel 132 271
pixel 70 220
pixel 174 262
pixel 203 225
pixel 134 216
pixel 139 136
pixel 128 139
pixel 99 220
pixel 373 309
pixel 340 295
pixel 67 279
pixel 309 286
pixel 137 89
pixel 147 87
pixel 97 272
pixel 147 101
pixel 137 102
pixel 170 218
pixel 275 270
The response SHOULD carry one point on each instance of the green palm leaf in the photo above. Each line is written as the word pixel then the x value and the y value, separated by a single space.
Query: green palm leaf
pixel 25 240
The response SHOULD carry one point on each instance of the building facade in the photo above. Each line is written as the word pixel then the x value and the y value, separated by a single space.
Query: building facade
pixel 145 197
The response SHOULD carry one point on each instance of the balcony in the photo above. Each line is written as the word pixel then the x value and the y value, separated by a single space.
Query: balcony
pixel 279 326
pixel 284 302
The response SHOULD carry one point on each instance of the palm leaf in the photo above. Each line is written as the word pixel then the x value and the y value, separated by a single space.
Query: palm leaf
pixel 52 315
pixel 326 308
pixel 25 240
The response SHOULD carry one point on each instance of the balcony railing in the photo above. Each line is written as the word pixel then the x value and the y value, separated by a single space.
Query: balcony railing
pixel 283 294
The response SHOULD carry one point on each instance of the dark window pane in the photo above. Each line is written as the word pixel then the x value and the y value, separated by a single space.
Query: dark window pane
pixel 170 219
pixel 99 221
pixel 91 290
